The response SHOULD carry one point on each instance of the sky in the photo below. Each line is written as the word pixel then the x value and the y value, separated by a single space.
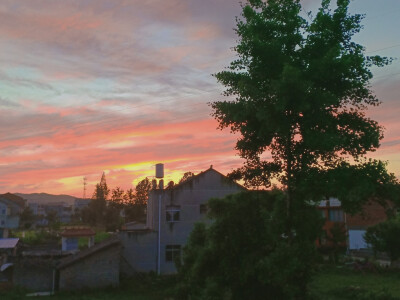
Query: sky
pixel 88 86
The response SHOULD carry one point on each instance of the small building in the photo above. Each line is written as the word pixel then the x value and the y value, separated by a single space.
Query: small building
pixel 354 226
pixel 70 237
pixel 372 214
pixel 95 267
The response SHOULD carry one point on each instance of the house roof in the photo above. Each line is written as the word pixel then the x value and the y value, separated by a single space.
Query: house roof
pixel 14 199
pixel 8 243
pixel 77 232
pixel 112 241
pixel 191 179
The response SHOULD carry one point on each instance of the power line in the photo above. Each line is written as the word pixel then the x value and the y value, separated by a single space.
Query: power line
pixel 388 47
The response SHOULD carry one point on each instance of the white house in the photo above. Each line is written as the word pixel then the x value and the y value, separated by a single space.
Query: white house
pixel 171 215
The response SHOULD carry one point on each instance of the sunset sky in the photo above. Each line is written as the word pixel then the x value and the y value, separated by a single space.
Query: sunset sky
pixel 117 86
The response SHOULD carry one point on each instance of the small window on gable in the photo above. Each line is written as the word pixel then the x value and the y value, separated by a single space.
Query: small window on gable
pixel 173 213
pixel 203 209
pixel 172 253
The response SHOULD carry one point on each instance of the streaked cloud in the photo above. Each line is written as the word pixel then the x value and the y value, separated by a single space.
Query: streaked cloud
pixel 93 85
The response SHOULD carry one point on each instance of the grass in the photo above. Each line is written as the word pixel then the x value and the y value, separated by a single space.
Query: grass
pixel 330 283
pixel 339 282
pixel 147 288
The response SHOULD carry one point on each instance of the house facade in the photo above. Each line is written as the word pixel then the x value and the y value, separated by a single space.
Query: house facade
pixel 355 226
pixel 10 208
pixel 171 215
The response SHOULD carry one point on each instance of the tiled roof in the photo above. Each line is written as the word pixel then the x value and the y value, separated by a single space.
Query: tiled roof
pixel 14 198
pixel 113 240
pixel 77 232
pixel 8 243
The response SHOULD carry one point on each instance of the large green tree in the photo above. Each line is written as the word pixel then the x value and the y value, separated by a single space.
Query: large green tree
pixel 298 94
pixel 299 91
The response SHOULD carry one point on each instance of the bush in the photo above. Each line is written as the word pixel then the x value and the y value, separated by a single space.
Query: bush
pixel 245 253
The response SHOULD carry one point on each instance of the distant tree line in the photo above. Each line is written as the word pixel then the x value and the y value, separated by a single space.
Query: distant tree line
pixel 112 208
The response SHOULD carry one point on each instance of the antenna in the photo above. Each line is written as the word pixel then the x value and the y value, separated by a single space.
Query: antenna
pixel 84 186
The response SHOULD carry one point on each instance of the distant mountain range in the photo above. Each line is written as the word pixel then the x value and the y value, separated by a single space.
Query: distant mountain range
pixel 42 198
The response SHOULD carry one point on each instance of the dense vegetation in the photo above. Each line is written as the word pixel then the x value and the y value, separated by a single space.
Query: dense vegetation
pixel 297 93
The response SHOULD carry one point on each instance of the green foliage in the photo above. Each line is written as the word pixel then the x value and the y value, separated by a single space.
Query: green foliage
pixel 244 253
pixel 94 213
pixel 136 202
pixel 99 237
pixel 106 211
pixel 142 191
pixel 36 237
pixel 299 91
pixel 384 237
pixel 26 218
pixel 186 176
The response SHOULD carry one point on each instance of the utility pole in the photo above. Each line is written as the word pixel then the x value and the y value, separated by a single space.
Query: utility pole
pixel 84 186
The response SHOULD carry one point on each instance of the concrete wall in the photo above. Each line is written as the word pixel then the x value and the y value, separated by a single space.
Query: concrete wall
pixel 139 252
pixel 99 270
pixel 188 197
pixel 34 274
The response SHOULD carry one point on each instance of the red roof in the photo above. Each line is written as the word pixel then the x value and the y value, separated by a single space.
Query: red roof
pixel 77 232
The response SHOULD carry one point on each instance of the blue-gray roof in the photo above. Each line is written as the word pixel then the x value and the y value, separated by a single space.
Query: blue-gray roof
pixel 8 243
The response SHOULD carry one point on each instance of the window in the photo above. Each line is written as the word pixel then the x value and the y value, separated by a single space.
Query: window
pixel 3 211
pixel 2 222
pixel 172 252
pixel 203 209
pixel 323 213
pixel 173 213
pixel 336 215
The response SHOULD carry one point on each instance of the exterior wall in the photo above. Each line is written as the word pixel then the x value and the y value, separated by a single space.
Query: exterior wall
pixel 8 216
pixel 139 253
pixel 188 197
pixel 101 269
pixel 329 208
pixel 3 214
pixel 356 225
pixel 372 214
pixel 34 274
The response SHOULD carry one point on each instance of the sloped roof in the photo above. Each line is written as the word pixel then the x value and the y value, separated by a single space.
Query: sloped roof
pixel 8 243
pixel 14 199
pixel 78 232
pixel 191 179
pixel 112 241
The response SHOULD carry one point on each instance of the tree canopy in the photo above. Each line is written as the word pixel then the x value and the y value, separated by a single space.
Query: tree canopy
pixel 244 254
pixel 299 91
